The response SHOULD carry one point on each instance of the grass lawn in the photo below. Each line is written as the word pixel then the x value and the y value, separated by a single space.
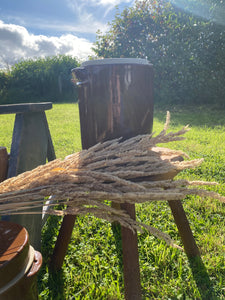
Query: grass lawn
pixel 92 268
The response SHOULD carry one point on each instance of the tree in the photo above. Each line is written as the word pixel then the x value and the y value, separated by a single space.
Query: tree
pixel 4 84
pixel 187 51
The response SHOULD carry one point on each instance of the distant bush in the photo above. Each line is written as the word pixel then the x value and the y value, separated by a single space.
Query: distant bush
pixel 41 79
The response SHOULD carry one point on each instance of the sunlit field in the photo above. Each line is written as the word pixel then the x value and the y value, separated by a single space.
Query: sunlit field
pixel 92 268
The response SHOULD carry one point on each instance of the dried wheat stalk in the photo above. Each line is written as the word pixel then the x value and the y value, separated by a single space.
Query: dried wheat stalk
pixel 131 171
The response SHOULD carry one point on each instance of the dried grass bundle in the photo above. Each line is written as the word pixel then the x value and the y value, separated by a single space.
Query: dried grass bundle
pixel 131 171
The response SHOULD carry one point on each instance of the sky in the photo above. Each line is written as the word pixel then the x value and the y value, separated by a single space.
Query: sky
pixel 38 28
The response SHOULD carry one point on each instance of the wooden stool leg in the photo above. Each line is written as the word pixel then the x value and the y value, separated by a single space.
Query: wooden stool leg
pixel 62 242
pixel 132 281
pixel 183 226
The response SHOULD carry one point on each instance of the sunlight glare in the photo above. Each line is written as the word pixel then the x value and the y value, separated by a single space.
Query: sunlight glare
pixel 207 9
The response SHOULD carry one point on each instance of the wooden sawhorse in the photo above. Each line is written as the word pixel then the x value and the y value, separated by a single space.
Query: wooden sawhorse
pixel 31 146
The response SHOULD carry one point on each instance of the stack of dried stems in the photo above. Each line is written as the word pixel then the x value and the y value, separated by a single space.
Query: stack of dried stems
pixel 131 171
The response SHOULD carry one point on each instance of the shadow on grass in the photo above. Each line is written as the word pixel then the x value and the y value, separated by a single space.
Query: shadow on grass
pixel 116 229
pixel 201 278
pixel 56 285
pixel 50 284
pixel 199 272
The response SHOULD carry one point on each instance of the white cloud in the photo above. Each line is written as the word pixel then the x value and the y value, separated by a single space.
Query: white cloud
pixel 82 21
pixel 110 2
pixel 17 43
pixel 88 26
pixel 84 18
pixel 82 7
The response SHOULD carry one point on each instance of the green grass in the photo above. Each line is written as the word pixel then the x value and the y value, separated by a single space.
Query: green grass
pixel 92 268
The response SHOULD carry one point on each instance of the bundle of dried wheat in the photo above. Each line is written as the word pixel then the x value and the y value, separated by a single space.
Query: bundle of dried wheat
pixel 131 171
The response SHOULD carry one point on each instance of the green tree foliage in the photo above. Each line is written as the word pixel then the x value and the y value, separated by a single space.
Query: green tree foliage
pixel 187 51
pixel 5 79
pixel 42 79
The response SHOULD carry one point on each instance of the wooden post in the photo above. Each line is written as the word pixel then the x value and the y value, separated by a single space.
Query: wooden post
pixel 3 163
pixel 62 242
pixel 190 246
pixel 131 269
